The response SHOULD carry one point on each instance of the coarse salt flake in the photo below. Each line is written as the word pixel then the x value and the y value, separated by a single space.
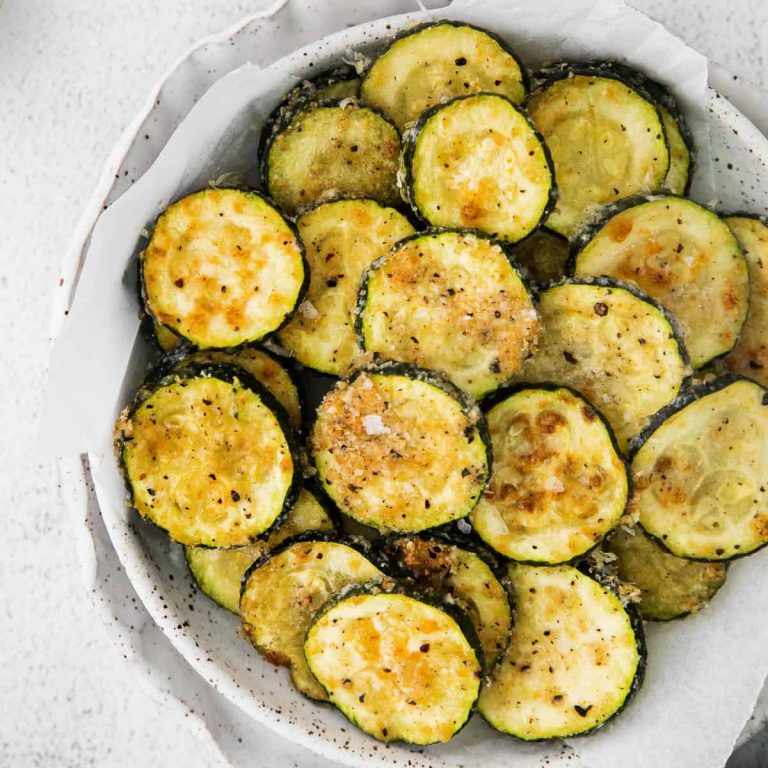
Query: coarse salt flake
pixel 374 425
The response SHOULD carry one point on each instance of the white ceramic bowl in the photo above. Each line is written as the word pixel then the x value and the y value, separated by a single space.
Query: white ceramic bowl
pixel 203 633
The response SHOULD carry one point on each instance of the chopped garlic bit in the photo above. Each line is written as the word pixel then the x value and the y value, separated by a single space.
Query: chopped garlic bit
pixel 374 425
pixel 554 485
pixel 308 310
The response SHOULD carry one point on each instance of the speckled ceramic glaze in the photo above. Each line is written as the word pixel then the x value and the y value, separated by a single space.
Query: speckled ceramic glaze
pixel 205 634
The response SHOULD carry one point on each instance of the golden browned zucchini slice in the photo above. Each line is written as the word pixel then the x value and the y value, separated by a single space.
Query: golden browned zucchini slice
pixel 207 456
pixel 453 302
pixel 750 355
pixel 219 572
pixel 398 667
pixel 222 267
pixel 342 239
pixel 283 590
pixel 477 162
pixel 700 472
pixel 684 256
pixel 607 142
pixel 670 587
pixel 335 149
pixel 435 62
pixel 575 658
pixel 558 484
pixel 400 449
pixel 615 346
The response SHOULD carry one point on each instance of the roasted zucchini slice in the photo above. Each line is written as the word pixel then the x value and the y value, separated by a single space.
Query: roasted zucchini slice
pixel 335 149
pixel 464 573
pixel 451 301
pixel 558 483
pixel 222 268
pixel 614 345
pixel 265 368
pixel 219 572
pixel 700 472
pixel 477 162
pixel 544 254
pixel 161 338
pixel 575 658
pixel 750 355
pixel 435 62
pixel 208 456
pixel 670 586
pixel 342 239
pixel 607 142
pixel 400 668
pixel 684 256
pixel 282 591
pixel 400 449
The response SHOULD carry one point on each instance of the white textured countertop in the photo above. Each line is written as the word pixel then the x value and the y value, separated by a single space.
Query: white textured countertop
pixel 72 75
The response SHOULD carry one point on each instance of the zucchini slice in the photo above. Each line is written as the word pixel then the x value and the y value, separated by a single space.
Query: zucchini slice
pixel 477 162
pixel 208 456
pixel 219 572
pixel 222 268
pixel 670 587
pixel 282 591
pixel 463 575
pixel 161 338
pixel 438 61
pixel 750 355
pixel 342 239
pixel 614 345
pixel 400 449
pixel 684 256
pixel 575 658
pixel 558 483
pixel 451 301
pixel 397 667
pixel 335 149
pixel 544 254
pixel 265 368
pixel 700 472
pixel 607 142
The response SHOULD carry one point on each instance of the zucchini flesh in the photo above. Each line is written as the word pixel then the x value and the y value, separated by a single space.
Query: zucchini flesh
pixel 282 591
pixel 574 659
pixel 219 572
pixel 166 339
pixel 396 449
pixel 333 150
pixel 398 668
pixel 558 483
pixel 449 569
pixel 222 268
pixel 437 62
pixel 607 142
pixel 477 162
pixel 670 586
pixel 680 158
pixel 206 458
pixel 700 475
pixel 264 368
pixel 342 239
pixel 615 347
pixel 750 355
pixel 544 254
pixel 685 257
pixel 453 302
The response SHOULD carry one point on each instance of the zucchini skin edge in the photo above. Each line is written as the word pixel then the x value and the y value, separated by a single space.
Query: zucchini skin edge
pixel 228 374
pixel 658 419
